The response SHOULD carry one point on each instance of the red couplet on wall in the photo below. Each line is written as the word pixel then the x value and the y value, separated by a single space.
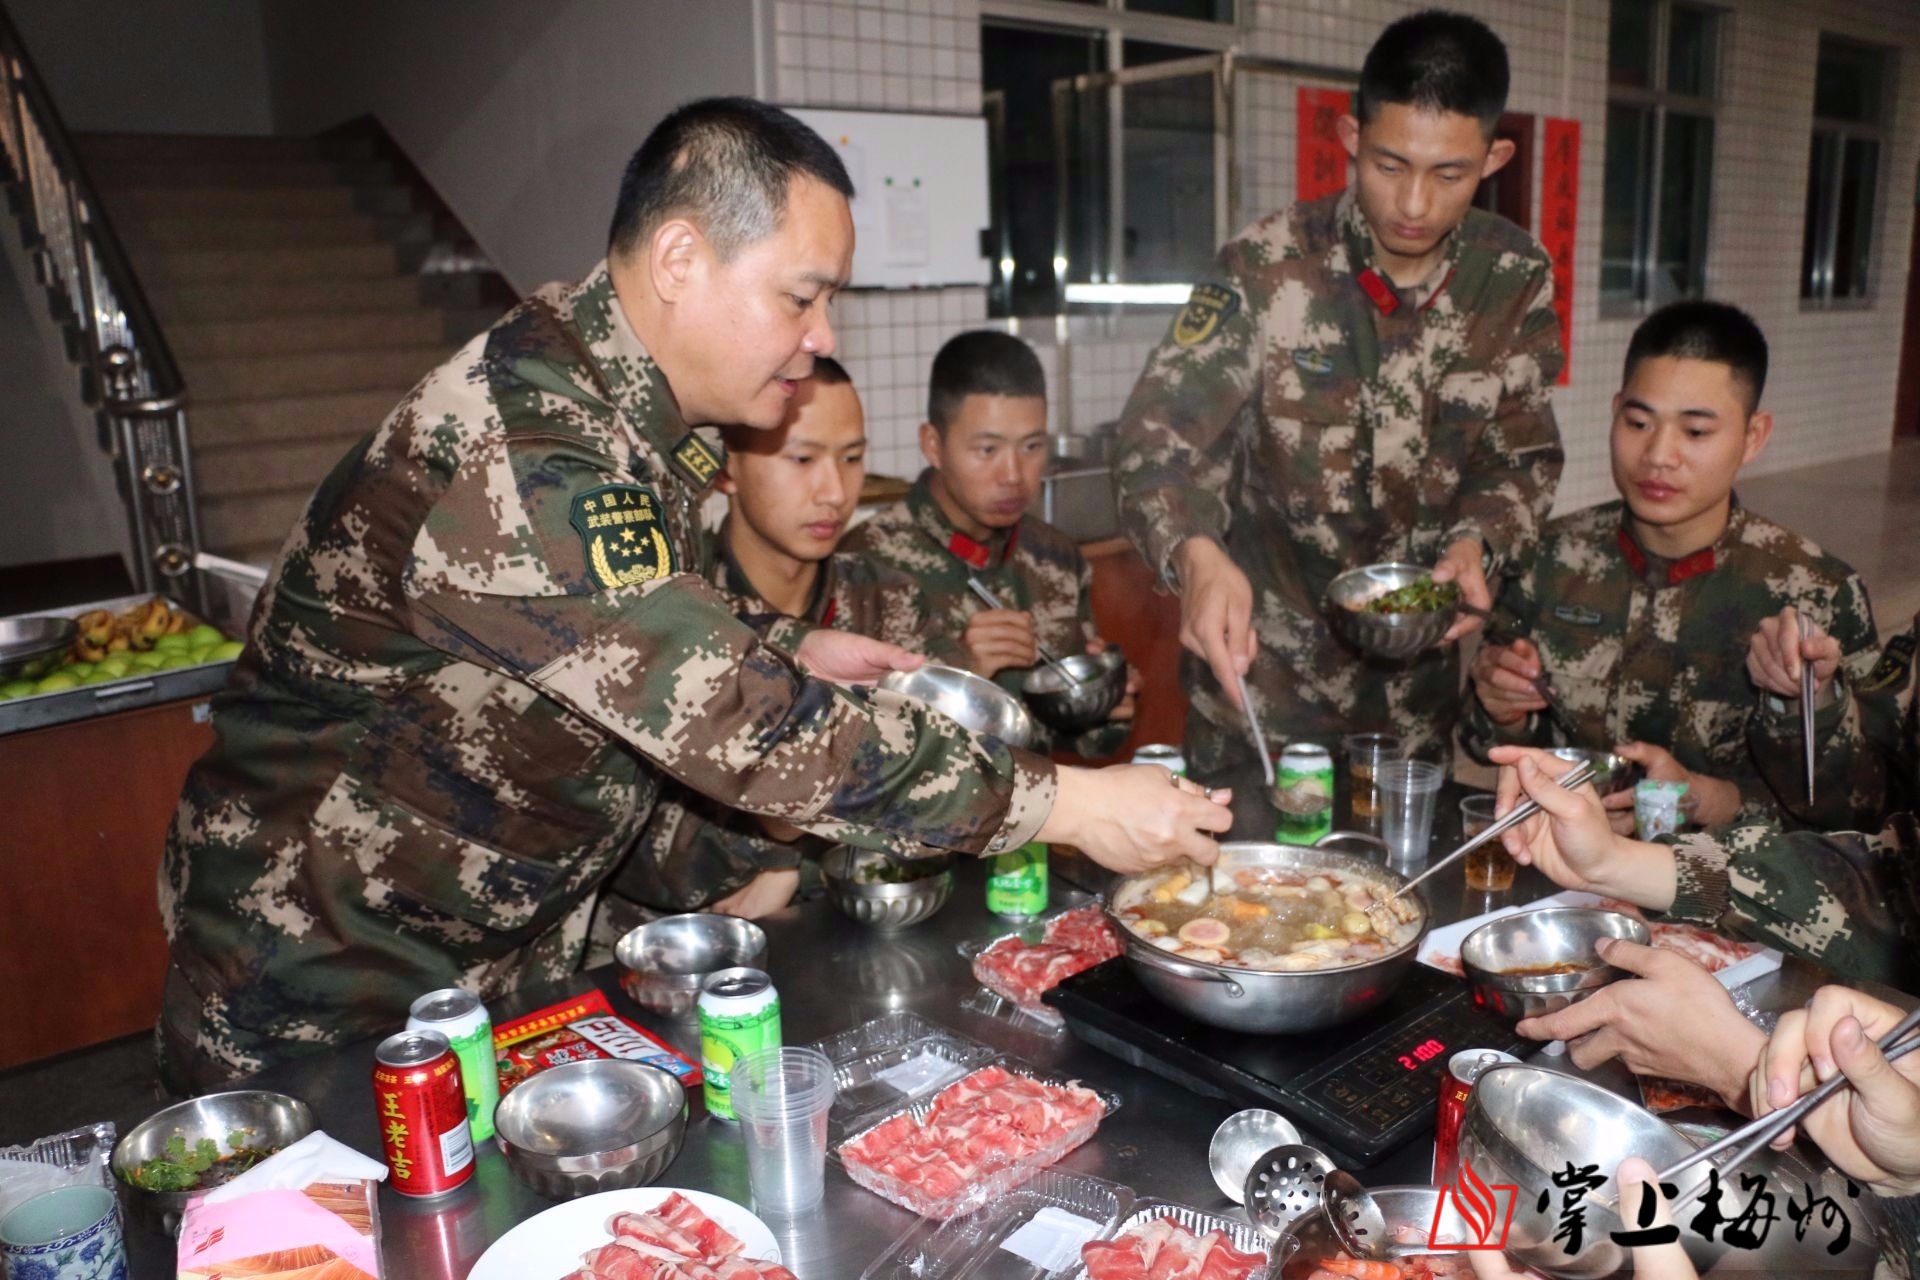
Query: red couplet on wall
pixel 1320 162
pixel 1559 212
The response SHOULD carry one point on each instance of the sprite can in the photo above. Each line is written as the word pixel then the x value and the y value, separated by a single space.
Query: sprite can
pixel 1303 793
pixel 739 1015
pixel 1017 882
pixel 462 1019
pixel 1160 753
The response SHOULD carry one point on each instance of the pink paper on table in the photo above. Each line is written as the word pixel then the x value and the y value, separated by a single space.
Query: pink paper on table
pixel 281 1231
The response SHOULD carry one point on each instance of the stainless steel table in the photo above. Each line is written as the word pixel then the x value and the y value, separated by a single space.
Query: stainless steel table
pixel 833 974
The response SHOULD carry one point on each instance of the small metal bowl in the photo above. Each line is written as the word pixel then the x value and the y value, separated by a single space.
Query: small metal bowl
pixel 598 1125
pixel 1069 707
pixel 885 906
pixel 1409 1213
pixel 1611 772
pixel 271 1120
pixel 975 704
pixel 666 961
pixel 32 647
pixel 1537 939
pixel 1238 1144
pixel 1384 635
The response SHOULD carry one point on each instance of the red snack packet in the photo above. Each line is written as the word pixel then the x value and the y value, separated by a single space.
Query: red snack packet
pixel 575 1030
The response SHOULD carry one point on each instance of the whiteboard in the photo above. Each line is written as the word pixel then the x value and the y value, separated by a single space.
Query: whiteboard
pixel 920 195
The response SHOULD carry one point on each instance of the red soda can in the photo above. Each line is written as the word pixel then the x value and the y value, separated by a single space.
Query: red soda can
pixel 422 1108
pixel 1456 1085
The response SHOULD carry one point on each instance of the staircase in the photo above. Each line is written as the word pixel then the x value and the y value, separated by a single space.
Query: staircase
pixel 285 273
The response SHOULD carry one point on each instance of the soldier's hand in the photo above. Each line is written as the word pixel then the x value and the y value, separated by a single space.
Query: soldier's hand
pixel 1124 709
pixel 1128 818
pixel 1673 1019
pixel 766 893
pixel 1570 839
pixel 1216 611
pixel 1503 676
pixel 845 658
pixel 1462 564
pixel 1776 654
pixel 1871 1131
pixel 996 639
pixel 1710 801
pixel 1635 1178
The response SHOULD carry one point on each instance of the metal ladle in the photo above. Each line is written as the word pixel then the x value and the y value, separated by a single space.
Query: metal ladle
pixel 1047 655
pixel 1240 1142
pixel 1284 1186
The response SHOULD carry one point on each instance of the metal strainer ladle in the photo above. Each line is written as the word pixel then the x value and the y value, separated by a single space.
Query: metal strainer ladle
pixel 1285 1185
pixel 1358 1223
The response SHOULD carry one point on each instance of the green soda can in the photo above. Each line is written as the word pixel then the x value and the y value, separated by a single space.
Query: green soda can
pixel 739 1015
pixel 1161 753
pixel 1017 882
pixel 462 1019
pixel 1303 793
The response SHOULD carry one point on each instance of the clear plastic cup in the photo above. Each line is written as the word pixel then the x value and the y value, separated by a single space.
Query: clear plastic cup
pixel 1490 866
pixel 1408 792
pixel 782 1097
pixel 1366 752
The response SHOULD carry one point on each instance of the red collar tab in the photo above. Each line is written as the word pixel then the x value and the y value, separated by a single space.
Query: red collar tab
pixel 1679 571
pixel 833 607
pixel 1384 298
pixel 1438 290
pixel 974 553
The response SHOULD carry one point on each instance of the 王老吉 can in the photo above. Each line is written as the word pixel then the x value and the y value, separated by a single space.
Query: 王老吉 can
pixel 739 1015
pixel 1456 1086
pixel 462 1019
pixel 422 1111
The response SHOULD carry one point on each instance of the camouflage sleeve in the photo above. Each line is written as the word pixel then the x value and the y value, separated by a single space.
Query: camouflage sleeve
pixel 501 576
pixel 1506 493
pixel 694 851
pixel 1861 757
pixel 1170 474
pixel 1845 901
pixel 1900 1243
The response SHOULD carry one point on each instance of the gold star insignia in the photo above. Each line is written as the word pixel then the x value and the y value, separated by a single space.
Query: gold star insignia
pixel 626 535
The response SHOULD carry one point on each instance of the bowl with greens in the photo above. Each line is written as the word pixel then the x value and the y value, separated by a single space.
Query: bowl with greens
pixel 1391 611
pixel 196 1145
pixel 886 892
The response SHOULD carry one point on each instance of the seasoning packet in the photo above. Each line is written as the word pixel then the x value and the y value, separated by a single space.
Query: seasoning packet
pixel 575 1030
pixel 1657 808
pixel 75 1158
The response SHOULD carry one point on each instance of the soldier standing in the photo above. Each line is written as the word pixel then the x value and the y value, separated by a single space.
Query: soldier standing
pixel 1363 378
pixel 1639 611
pixel 487 643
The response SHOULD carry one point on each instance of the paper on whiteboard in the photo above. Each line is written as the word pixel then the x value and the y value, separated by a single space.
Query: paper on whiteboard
pixel 909 226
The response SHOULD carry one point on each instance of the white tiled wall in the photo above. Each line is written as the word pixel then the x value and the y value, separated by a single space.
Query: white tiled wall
pixel 1834 373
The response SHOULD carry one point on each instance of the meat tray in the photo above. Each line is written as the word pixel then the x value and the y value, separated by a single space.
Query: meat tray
pixel 1039 1019
pixel 1245 1236
pixel 882 1065
pixel 970 1244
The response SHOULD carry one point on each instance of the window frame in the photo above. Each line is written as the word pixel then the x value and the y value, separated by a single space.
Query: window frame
pixel 1843 132
pixel 1663 102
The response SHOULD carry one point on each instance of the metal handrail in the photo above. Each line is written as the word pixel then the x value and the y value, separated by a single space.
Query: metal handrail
pixel 129 375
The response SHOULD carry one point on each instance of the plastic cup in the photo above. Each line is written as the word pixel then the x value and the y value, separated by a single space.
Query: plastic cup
pixel 1366 752
pixel 1408 792
pixel 782 1097
pixel 1490 866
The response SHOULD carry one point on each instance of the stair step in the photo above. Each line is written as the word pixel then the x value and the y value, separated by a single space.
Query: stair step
pixel 112 175
pixel 256 202
pixel 320 262
pixel 292 418
pixel 258 299
pixel 267 466
pixel 216 378
pixel 251 519
pixel 107 147
pixel 213 232
pixel 284 335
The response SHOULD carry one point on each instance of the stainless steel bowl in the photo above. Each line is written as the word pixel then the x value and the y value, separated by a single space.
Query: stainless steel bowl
pixel 1263 1000
pixel 598 1125
pixel 1384 635
pixel 1524 1123
pixel 1611 772
pixel 271 1120
pixel 886 906
pixel 1407 1210
pixel 667 960
pixel 970 701
pixel 1069 707
pixel 1537 939
pixel 32 647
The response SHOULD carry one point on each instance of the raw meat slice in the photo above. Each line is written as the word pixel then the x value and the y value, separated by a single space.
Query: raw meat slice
pixel 1020 971
pixel 1162 1249
pixel 713 1239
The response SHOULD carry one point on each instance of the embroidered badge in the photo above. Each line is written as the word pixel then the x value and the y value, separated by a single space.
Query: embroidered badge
pixel 1577 614
pixel 698 460
pixel 1208 307
pixel 622 534
pixel 1895 662
pixel 1313 361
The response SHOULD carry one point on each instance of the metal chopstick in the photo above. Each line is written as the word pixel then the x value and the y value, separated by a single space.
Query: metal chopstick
pixel 1806 704
pixel 1047 655
pixel 1579 775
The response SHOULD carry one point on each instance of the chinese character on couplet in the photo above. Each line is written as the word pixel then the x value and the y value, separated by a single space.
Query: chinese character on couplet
pixel 1574 1185
pixel 1740 1229
pixel 1829 1210
pixel 1644 1231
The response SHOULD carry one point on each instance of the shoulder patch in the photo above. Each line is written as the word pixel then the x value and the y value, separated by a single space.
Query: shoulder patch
pixel 698 460
pixel 1208 307
pixel 622 535
pixel 1896 661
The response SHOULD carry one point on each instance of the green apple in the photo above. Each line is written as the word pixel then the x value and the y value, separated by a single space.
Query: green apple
pixel 205 637
pixel 174 661
pixel 116 666
pixel 145 661
pixel 227 652
pixel 16 688
pixel 171 644
pixel 80 669
pixel 62 679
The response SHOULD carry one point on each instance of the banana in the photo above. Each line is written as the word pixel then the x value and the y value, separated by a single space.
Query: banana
pixel 153 622
pixel 178 622
pixel 94 627
pixel 120 643
pixel 88 652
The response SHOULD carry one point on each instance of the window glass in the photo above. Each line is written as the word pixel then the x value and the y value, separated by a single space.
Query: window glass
pixel 1625 201
pixel 1204 10
pixel 1853 234
pixel 1815 271
pixel 1691 51
pixel 1848 85
pixel 1630 43
pixel 1686 167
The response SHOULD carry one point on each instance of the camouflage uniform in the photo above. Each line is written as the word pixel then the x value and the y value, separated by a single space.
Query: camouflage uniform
pixel 1847 901
pixel 695 849
pixel 471 668
pixel 1311 417
pixel 1640 649
pixel 1032 566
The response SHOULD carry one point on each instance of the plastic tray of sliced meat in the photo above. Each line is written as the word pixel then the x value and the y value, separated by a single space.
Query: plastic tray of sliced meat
pixel 882 1065
pixel 1161 1238
pixel 976 1139
pixel 1021 966
pixel 1027 1234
